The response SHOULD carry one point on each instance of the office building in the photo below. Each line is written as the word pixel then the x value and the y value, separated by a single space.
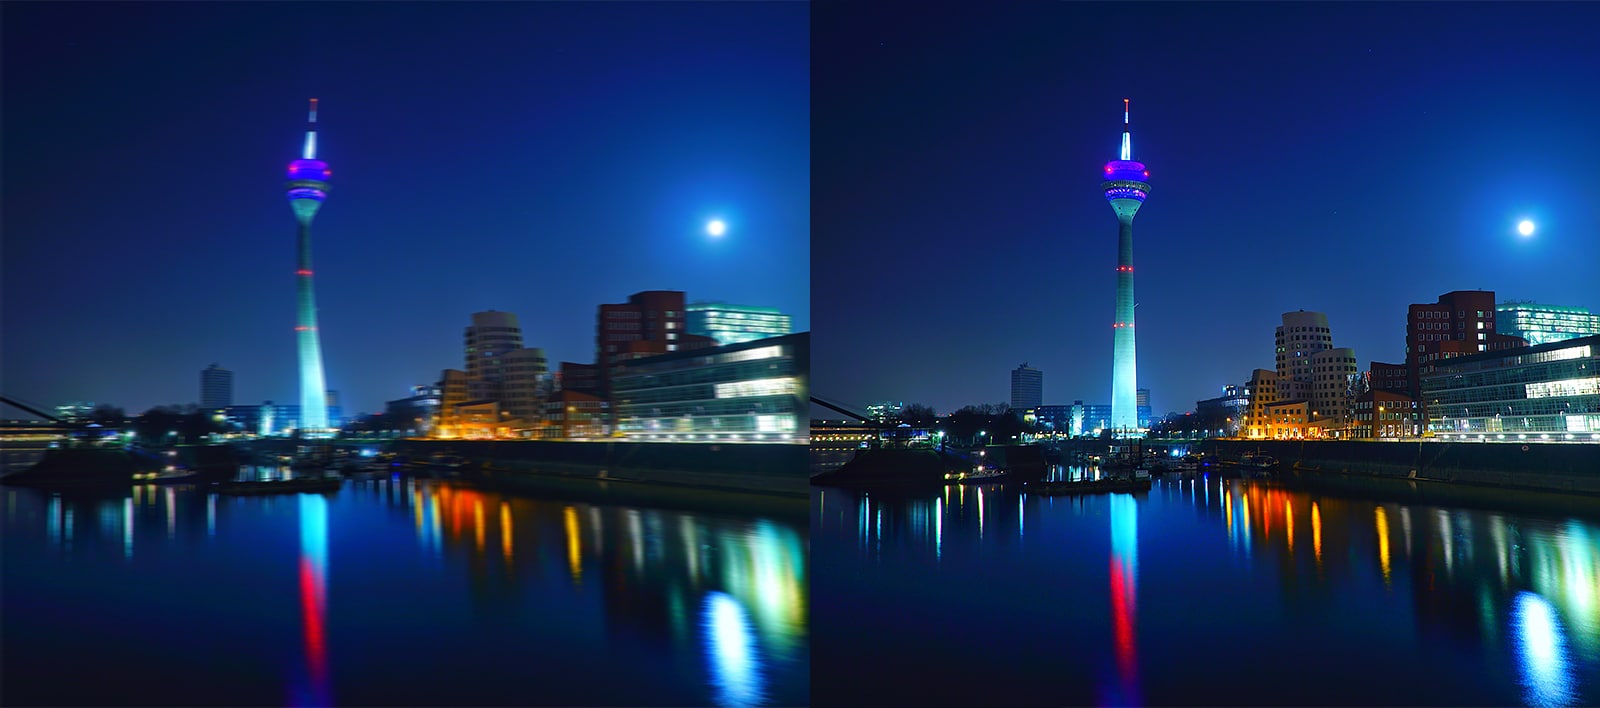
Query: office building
pixel 1462 322
pixel 216 387
pixel 416 414
pixel 650 323
pixel 885 411
pixel 1548 392
pixel 1225 412
pixel 1027 387
pixel 1543 324
pixel 733 324
pixel 274 419
pixel 750 392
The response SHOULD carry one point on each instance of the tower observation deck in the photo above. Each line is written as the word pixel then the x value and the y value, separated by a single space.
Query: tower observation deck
pixel 307 188
pixel 1126 189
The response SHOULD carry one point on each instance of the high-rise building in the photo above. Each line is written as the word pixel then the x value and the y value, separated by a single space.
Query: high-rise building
pixel 1027 387
pixel 307 188
pixel 649 323
pixel 1301 335
pixel 216 387
pixel 732 324
pixel 1543 324
pixel 498 369
pixel 1311 369
pixel 1126 189
pixel 1142 396
pixel 1462 322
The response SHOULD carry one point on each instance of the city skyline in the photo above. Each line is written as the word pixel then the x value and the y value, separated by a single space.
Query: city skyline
pixel 1348 159
pixel 540 159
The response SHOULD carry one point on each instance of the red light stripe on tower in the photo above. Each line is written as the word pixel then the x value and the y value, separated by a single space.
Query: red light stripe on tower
pixel 302 271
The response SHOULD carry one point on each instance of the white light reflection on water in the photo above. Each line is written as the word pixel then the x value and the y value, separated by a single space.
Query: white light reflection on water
pixel 1541 652
pixel 127 528
pixel 730 651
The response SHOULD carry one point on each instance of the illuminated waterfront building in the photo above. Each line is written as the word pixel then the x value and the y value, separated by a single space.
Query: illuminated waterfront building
pixel 1549 392
pixel 733 324
pixel 750 392
pixel 307 188
pixel 1027 387
pixel 1263 392
pixel 269 418
pixel 1543 324
pixel 1126 189
pixel 216 387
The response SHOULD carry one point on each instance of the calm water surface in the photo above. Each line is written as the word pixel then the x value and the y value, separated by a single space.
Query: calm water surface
pixel 1200 592
pixel 399 592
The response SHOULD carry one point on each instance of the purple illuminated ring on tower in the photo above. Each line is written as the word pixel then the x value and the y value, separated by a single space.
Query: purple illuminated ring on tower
pixel 309 170
pixel 1125 189
pixel 1128 170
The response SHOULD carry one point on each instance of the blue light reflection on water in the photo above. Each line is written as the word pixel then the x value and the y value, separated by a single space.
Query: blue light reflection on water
pixel 1541 652
pixel 735 667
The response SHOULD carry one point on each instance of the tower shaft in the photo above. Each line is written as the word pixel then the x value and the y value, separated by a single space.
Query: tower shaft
pixel 313 386
pixel 1124 359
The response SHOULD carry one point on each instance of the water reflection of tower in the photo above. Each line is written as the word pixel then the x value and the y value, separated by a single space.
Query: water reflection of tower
pixel 1124 589
pixel 314 594
pixel 1126 189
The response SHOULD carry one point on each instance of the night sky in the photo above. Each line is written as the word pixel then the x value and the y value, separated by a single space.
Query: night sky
pixel 1344 158
pixel 537 158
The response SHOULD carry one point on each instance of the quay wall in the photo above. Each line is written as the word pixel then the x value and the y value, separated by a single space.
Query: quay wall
pixel 1557 467
pixel 761 468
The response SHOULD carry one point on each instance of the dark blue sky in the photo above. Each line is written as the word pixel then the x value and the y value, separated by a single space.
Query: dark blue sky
pixel 538 158
pixel 1345 158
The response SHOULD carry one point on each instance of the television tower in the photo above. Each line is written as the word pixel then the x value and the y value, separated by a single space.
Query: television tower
pixel 1125 188
pixel 307 187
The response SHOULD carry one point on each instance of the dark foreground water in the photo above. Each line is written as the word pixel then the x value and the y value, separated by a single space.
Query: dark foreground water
pixel 401 592
pixel 1208 592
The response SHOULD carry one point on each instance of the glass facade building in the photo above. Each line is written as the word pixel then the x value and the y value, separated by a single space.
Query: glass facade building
pixel 736 324
pixel 1543 324
pixel 1549 392
pixel 750 392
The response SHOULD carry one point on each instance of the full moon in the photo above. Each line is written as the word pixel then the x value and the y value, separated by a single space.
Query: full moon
pixel 716 227
pixel 1525 228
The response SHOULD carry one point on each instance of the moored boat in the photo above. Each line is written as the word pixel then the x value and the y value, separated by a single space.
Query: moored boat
pixel 281 486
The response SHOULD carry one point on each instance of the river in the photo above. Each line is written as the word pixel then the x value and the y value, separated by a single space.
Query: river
pixel 401 591
pixel 1203 592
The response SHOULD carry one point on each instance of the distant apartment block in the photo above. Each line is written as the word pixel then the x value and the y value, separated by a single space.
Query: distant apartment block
pixel 1027 387
pixel 216 387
